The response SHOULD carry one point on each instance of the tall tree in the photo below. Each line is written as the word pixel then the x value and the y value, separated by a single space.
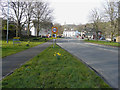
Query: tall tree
pixel 46 24
pixel 16 14
pixel 111 12
pixel 95 18
pixel 80 27
pixel 119 18
pixel 29 15
pixel 41 13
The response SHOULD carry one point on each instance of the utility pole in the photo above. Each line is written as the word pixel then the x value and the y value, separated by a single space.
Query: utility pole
pixel 7 20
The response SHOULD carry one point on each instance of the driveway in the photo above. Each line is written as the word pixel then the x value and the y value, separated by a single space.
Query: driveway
pixel 103 59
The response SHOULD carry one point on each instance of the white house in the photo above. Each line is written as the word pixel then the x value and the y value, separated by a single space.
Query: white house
pixel 42 32
pixel 70 30
pixel 68 33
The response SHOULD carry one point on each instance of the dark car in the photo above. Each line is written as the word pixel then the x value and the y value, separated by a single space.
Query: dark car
pixel 44 36
pixel 82 37
pixel 58 36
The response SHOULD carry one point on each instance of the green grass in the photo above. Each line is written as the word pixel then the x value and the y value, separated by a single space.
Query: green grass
pixel 9 48
pixel 46 71
pixel 103 43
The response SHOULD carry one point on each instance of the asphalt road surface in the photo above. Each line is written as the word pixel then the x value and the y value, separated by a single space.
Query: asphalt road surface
pixel 104 59
pixel 10 63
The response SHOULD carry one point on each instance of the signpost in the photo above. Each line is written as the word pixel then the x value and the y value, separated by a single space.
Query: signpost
pixel 54 34
pixel 16 40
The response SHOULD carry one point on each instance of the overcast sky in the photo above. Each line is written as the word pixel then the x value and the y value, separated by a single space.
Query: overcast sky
pixel 73 11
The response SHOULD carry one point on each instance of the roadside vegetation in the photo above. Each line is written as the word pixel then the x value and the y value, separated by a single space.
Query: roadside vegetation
pixel 104 43
pixel 9 48
pixel 54 68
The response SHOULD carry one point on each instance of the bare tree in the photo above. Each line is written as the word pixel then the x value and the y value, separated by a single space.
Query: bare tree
pixel 111 12
pixel 41 13
pixel 95 18
pixel 119 18
pixel 80 27
pixel 46 24
pixel 16 14
pixel 29 15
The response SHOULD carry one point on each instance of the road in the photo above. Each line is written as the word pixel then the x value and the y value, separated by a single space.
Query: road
pixel 103 59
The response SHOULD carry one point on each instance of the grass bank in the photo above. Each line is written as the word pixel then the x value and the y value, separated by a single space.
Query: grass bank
pixel 9 48
pixel 104 43
pixel 46 70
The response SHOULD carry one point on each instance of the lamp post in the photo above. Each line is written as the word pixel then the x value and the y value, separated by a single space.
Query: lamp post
pixel 7 20
pixel 119 18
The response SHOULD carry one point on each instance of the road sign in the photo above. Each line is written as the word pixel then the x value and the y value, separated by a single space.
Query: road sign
pixel 54 32
pixel 54 29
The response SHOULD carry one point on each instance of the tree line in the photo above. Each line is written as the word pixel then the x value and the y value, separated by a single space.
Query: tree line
pixel 23 13
pixel 107 19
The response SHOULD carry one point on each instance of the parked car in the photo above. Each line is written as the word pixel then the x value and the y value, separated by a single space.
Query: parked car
pixel 114 39
pixel 58 36
pixel 102 38
pixel 44 36
pixel 82 37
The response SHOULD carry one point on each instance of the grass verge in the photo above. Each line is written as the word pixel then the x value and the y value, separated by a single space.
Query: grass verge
pixel 9 48
pixel 104 43
pixel 47 71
